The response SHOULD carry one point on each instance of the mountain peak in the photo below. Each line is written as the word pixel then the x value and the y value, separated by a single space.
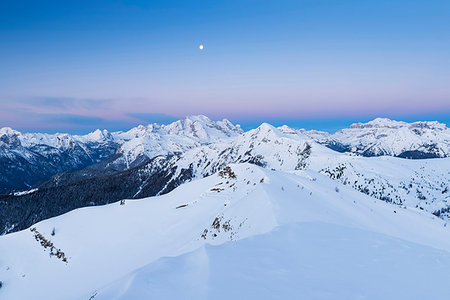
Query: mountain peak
pixel 99 135
pixel 286 129
pixel 8 131
pixel 266 127
pixel 199 118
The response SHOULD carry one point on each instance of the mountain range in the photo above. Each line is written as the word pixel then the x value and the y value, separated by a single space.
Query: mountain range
pixel 387 137
pixel 28 158
pixel 155 159
pixel 199 209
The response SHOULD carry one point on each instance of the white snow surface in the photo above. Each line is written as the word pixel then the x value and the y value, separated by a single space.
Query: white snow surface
pixel 245 233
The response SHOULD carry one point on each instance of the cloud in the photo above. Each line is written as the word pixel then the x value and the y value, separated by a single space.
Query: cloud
pixel 73 115
pixel 67 103
pixel 28 121
pixel 69 119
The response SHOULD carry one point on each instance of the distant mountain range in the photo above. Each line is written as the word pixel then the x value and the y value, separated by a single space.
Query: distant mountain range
pixel 28 158
pixel 155 159
pixel 386 137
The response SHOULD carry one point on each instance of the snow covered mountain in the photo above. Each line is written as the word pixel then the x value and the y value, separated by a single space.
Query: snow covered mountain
pixel 421 184
pixel 242 232
pixel 144 142
pixel 268 213
pixel 27 158
pixel 387 137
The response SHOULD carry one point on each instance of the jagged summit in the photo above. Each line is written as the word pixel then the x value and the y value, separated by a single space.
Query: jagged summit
pixel 8 131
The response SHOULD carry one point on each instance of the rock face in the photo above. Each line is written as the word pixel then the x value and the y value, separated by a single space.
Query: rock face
pixel 28 158
pixel 381 136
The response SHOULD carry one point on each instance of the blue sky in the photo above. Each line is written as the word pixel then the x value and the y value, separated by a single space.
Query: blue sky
pixel 78 65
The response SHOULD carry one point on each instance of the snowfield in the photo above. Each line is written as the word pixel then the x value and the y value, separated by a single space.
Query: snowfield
pixel 297 261
pixel 244 232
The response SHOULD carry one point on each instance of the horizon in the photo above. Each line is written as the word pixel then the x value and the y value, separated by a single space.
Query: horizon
pixel 296 124
pixel 84 65
pixel 224 149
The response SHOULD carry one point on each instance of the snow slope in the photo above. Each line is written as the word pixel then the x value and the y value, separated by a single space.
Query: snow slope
pixel 297 261
pixel 424 184
pixel 121 251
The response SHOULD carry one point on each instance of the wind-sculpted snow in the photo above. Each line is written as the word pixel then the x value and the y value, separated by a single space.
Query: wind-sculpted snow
pixel 297 261
pixel 122 250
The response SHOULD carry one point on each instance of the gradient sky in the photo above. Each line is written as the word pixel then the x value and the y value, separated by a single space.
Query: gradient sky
pixel 79 65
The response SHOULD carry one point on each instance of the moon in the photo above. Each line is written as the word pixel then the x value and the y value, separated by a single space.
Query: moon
pixel 200 47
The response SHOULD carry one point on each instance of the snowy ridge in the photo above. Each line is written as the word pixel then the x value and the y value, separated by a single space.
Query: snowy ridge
pixel 239 202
